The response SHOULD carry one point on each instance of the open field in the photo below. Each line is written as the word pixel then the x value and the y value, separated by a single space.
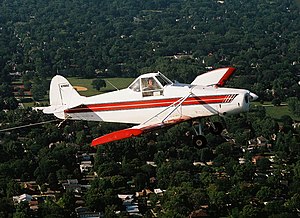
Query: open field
pixel 82 84
pixel 120 83
pixel 277 111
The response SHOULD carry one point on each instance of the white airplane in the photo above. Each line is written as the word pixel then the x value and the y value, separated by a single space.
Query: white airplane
pixel 152 102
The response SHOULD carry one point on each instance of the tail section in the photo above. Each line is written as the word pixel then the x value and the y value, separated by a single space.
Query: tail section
pixel 62 96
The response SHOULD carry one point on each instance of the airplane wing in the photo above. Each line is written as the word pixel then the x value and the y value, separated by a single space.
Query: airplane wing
pixel 136 131
pixel 215 77
pixel 147 126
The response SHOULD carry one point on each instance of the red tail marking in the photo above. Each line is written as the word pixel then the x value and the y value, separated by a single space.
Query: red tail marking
pixel 226 76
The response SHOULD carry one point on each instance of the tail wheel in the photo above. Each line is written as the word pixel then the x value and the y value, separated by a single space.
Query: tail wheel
pixel 216 128
pixel 199 141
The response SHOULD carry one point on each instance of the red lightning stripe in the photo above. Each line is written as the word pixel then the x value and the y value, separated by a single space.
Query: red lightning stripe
pixel 130 105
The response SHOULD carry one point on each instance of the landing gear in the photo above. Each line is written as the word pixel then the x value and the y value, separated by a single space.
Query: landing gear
pixel 215 128
pixel 199 141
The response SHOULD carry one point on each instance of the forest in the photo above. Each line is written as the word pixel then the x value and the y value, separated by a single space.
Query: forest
pixel 252 170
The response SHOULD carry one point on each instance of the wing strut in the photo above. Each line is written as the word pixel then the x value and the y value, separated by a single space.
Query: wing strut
pixel 177 103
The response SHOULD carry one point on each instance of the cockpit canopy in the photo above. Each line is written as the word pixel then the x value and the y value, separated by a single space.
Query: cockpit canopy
pixel 150 84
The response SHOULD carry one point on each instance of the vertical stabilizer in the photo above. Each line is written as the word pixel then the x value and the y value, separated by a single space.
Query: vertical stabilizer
pixel 62 96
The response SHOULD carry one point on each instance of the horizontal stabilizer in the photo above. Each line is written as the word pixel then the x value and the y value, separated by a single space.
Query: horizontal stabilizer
pixel 216 77
pixel 54 109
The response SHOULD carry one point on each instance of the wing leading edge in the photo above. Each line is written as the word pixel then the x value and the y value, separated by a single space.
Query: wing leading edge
pixel 136 131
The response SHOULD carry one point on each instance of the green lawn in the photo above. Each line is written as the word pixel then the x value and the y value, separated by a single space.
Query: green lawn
pixel 277 111
pixel 120 83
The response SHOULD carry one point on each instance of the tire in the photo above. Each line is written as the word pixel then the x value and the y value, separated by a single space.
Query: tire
pixel 199 141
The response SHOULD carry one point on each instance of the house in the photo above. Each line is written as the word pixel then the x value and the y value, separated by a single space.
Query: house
pixel 132 209
pixel 143 193
pixel 84 212
pixel 199 213
pixel 85 166
pixel 125 196
pixel 72 185
pixel 256 158
pixel 242 160
pixel 91 215
pixel 34 205
pixel 22 198
pixel 261 141
pixel 158 191
pixel 258 142
pixel 127 199
pixel 84 156
pixel 32 186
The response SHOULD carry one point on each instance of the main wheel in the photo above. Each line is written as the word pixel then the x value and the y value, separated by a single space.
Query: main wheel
pixel 199 141
pixel 216 128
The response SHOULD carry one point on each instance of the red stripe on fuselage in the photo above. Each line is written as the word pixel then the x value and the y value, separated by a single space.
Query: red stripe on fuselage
pixel 130 105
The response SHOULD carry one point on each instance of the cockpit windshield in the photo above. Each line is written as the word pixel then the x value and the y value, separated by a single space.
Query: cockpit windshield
pixel 135 86
pixel 163 80
pixel 151 84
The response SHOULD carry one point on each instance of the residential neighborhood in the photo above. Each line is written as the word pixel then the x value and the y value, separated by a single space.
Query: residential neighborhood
pixel 48 167
pixel 143 195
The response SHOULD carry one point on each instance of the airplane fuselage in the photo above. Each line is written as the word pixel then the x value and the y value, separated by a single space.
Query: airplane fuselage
pixel 153 102
pixel 129 106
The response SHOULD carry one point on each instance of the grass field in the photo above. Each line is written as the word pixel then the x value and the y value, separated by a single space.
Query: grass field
pixel 277 111
pixel 120 83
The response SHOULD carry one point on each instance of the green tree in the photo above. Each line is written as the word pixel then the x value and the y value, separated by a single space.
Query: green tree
pixel 249 211
pixel 6 207
pixel 264 194
pixel 216 197
pixel 263 164
pixel 13 189
pixel 38 91
pixel 294 105
pixel 67 202
pixel 50 209
pixel 293 203
pixel 98 84
pixel 176 201
pixel 22 210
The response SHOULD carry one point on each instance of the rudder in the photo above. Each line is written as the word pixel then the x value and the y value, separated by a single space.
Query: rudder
pixel 62 96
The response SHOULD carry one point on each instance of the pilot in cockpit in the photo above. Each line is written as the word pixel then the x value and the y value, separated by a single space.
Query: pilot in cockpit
pixel 150 85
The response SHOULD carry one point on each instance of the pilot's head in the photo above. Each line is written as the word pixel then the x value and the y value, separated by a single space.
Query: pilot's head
pixel 150 82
